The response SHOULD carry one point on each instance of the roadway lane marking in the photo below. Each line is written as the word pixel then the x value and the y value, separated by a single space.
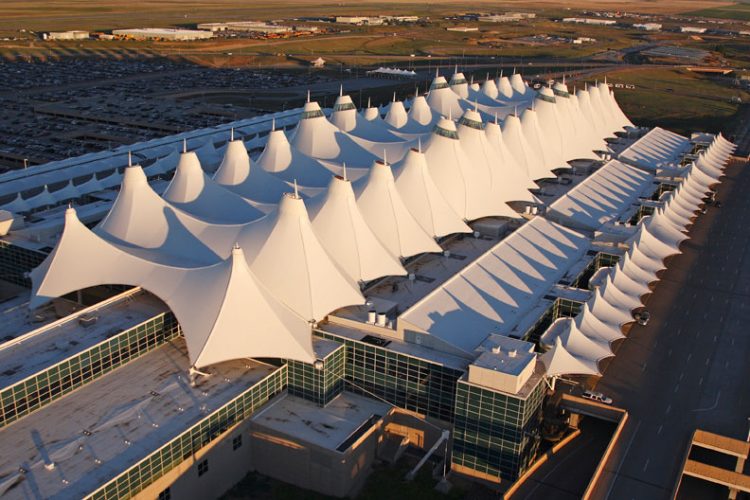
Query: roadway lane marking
pixel 713 406
pixel 669 408
pixel 682 375
pixel 645 466
pixel 643 368
pixel 617 471
pixel 658 431
pixel 700 382
pixel 676 388
pixel 690 356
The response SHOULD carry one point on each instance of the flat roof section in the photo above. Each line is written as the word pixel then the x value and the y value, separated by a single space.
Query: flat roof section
pixel 127 414
pixel 330 427
pixel 54 342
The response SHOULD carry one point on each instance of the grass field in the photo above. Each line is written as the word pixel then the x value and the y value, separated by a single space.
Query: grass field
pixel 676 99
pixel 739 11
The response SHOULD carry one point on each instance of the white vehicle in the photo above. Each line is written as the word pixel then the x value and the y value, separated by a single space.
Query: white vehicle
pixel 597 396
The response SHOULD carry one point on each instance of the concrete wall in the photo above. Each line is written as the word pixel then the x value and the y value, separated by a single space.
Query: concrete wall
pixel 226 467
pixel 312 467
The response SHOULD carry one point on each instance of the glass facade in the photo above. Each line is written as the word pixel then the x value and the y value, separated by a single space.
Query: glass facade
pixel 600 260
pixel 318 385
pixel 16 261
pixel 404 381
pixel 496 434
pixel 560 308
pixel 39 390
pixel 182 447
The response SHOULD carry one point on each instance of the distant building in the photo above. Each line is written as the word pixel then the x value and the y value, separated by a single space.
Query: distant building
pixel 162 34
pixel 462 29
pixel 507 17
pixel 318 63
pixel 692 29
pixel 648 26
pixel 360 20
pixel 66 35
pixel 249 26
pixel 589 20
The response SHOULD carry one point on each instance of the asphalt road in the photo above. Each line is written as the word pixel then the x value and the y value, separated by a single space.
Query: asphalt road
pixel 688 368
pixel 568 473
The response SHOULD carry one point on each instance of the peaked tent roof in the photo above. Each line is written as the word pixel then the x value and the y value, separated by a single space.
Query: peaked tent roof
pixel 485 158
pixel 194 192
pixel 286 162
pixel 143 221
pixel 238 174
pixel 423 198
pixel 237 317
pixel 285 254
pixel 559 361
pixel 465 187
pixel 385 212
pixel 510 167
pixel 442 99
pixel 347 238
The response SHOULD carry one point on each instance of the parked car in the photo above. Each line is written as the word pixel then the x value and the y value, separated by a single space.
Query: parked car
pixel 597 396
pixel 642 317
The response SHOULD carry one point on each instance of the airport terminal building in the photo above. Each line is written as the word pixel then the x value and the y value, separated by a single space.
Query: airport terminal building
pixel 304 293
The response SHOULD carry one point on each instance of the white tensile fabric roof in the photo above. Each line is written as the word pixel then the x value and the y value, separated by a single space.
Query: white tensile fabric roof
pixel 492 293
pixel 194 192
pixel 196 249
pixel 385 212
pixel 658 148
pixel 522 150
pixel 423 198
pixel 286 162
pixel 558 361
pixel 577 345
pixel 346 236
pixel 239 175
pixel 484 155
pixel 603 197
pixel 511 169
pixel 223 311
pixel 465 186
pixel 286 255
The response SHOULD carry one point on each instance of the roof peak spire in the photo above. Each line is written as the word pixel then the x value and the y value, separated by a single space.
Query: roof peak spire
pixel 184 145
pixel 419 144
pixel 308 95
pixel 394 96
pixel 296 191
pixel 231 134
pixel 343 168
pixel 495 117
pixel 273 124
pixel 341 90
pixel 385 156
pixel 130 158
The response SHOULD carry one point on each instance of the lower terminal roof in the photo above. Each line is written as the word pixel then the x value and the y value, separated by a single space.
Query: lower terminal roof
pixel 129 414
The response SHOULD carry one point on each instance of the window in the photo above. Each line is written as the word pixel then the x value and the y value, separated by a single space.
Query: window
pixel 202 467
pixel 165 495
pixel 237 442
